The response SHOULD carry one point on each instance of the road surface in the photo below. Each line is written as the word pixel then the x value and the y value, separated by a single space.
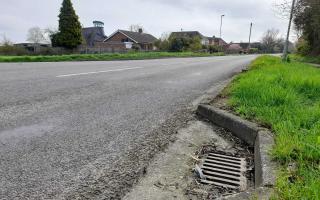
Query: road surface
pixel 86 129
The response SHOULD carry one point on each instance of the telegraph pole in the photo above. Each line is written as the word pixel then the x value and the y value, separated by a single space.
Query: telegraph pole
pixel 286 46
pixel 249 45
pixel 221 26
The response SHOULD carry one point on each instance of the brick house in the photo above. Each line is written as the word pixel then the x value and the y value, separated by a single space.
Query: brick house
pixel 217 41
pixel 122 39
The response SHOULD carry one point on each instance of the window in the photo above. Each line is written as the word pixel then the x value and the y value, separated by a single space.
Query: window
pixel 125 40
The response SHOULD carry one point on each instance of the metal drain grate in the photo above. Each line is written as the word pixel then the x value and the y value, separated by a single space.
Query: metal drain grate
pixel 225 171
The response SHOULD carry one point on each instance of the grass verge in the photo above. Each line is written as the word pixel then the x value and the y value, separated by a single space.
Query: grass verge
pixel 104 57
pixel 285 97
pixel 306 59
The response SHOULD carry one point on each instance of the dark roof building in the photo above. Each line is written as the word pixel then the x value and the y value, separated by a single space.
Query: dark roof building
pixel 95 34
pixel 189 34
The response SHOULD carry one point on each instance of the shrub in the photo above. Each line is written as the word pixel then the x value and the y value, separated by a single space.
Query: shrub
pixel 253 50
pixel 303 47
pixel 10 50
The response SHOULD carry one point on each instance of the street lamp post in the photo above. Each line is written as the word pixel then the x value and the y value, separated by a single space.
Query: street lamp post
pixel 221 25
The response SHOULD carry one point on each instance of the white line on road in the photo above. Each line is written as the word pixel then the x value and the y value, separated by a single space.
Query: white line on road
pixel 86 73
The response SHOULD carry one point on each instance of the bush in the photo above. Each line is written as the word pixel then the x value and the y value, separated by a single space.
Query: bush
pixel 185 44
pixel 213 49
pixel 162 45
pixel 12 51
pixel 177 44
pixel 253 50
pixel 303 47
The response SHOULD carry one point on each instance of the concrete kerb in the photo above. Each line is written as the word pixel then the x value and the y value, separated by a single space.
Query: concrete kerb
pixel 262 140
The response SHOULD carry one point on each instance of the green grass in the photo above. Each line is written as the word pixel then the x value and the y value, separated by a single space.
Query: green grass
pixel 285 97
pixel 103 57
pixel 306 59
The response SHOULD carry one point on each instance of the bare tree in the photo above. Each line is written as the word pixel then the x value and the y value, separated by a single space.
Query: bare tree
pixel 35 35
pixel 165 36
pixel 5 41
pixel 282 8
pixel 48 33
pixel 136 28
pixel 270 39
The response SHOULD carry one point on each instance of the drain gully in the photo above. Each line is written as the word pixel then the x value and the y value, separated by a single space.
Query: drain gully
pixel 225 171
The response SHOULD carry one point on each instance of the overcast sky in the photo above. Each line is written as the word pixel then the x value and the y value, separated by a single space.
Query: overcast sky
pixel 156 16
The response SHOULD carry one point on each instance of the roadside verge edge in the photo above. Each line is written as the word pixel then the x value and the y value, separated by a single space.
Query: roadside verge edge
pixel 262 140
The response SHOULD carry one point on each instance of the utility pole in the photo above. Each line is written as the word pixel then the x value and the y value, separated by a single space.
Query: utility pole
pixel 221 26
pixel 286 46
pixel 249 45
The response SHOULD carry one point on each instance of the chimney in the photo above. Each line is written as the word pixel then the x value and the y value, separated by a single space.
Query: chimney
pixel 140 30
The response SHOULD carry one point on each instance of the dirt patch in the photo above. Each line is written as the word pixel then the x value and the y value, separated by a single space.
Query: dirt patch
pixel 171 174
pixel 221 102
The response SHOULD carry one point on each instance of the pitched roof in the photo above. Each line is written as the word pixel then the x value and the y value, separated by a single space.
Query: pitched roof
pixel 136 36
pixel 187 34
pixel 93 34
pixel 217 40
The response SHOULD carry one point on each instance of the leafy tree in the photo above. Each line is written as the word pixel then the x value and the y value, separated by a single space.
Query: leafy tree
pixel 307 20
pixel 69 35
pixel 195 44
pixel 180 44
pixel 303 47
pixel 163 44
pixel 177 44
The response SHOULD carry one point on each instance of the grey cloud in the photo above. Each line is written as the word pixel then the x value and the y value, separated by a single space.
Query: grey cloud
pixel 157 16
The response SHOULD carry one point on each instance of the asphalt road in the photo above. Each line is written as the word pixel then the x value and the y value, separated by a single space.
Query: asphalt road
pixel 87 129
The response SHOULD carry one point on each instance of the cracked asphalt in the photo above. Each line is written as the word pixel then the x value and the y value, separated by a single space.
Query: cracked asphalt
pixel 87 130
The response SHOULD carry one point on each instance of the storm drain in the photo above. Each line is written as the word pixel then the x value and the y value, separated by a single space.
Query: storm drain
pixel 226 171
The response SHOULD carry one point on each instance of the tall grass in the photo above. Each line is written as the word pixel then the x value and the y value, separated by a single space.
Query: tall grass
pixel 306 59
pixel 286 97
pixel 103 57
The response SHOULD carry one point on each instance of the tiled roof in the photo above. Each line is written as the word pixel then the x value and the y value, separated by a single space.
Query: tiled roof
pixel 217 40
pixel 93 34
pixel 137 37
pixel 190 34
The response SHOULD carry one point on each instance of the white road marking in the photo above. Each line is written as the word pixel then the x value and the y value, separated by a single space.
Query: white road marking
pixel 97 72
